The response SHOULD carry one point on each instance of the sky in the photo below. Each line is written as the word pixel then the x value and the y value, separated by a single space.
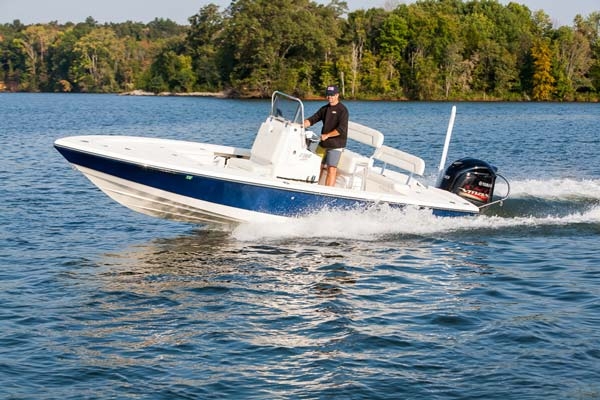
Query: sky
pixel 42 11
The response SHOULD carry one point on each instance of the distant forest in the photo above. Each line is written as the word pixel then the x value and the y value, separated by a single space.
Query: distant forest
pixel 426 50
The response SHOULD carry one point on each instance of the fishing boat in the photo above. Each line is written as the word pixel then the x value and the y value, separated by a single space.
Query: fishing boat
pixel 277 178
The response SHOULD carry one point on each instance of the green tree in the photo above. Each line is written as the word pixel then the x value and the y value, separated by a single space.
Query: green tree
pixel 573 62
pixel 454 71
pixel 12 57
pixel 203 41
pixel 97 55
pixel 356 27
pixel 34 41
pixel 590 28
pixel 61 57
pixel 263 38
pixel 163 29
pixel 359 46
pixel 393 41
pixel 171 72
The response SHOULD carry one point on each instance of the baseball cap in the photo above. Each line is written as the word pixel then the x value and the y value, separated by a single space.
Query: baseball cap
pixel 331 90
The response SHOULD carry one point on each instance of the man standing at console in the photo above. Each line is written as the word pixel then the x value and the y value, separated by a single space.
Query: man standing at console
pixel 334 133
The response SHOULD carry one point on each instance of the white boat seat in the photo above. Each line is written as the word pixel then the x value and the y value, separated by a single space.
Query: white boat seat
pixel 400 159
pixel 352 164
pixel 351 161
pixel 268 149
pixel 269 143
pixel 364 134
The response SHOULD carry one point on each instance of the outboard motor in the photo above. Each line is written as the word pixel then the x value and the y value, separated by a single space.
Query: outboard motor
pixel 472 179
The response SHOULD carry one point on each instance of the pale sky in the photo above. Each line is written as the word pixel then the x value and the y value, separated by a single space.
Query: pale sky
pixel 42 11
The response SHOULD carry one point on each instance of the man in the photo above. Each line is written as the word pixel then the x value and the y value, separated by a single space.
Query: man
pixel 334 133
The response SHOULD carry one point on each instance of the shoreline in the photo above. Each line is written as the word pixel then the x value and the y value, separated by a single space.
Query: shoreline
pixel 230 95
pixel 138 92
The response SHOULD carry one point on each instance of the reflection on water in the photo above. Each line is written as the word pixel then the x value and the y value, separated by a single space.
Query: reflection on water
pixel 271 307
pixel 209 257
pixel 287 288
pixel 300 303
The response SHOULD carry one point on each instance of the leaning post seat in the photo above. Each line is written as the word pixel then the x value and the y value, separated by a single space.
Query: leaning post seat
pixel 353 165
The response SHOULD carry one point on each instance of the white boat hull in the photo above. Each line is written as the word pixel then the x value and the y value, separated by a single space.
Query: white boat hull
pixel 163 204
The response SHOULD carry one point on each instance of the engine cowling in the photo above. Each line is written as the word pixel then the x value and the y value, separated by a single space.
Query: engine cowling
pixel 471 179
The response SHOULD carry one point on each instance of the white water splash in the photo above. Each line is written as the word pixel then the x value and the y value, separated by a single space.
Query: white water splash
pixel 557 189
pixel 373 224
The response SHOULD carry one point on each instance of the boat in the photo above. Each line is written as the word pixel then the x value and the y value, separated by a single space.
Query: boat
pixel 277 178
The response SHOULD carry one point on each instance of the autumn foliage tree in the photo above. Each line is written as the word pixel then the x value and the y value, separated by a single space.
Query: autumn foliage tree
pixel 543 81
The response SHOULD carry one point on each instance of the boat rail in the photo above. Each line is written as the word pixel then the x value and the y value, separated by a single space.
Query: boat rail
pixel 286 107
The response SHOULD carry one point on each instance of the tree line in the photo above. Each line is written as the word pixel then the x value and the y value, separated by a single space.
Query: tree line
pixel 427 50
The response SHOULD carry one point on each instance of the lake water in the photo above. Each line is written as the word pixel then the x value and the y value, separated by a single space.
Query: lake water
pixel 98 301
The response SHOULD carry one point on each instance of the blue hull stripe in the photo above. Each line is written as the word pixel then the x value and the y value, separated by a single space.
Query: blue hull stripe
pixel 237 194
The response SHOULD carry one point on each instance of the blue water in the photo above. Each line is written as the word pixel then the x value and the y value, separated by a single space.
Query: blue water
pixel 100 302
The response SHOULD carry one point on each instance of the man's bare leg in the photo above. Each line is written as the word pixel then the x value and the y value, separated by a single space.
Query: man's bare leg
pixel 331 175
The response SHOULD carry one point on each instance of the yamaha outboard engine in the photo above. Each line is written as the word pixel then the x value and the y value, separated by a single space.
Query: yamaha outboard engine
pixel 472 179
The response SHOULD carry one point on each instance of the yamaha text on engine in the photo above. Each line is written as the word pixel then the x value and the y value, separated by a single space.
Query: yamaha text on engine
pixel 472 179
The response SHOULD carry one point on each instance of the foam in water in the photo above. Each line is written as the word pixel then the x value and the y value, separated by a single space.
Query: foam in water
pixel 371 225
pixel 375 223
pixel 557 188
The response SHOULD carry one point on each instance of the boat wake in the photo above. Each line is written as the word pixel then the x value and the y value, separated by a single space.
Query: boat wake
pixel 558 188
pixel 534 205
